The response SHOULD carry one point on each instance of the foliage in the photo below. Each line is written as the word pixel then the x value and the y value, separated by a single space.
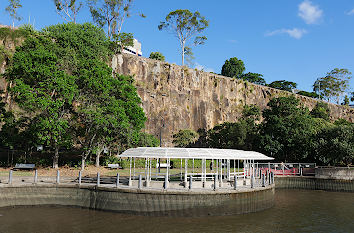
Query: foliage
pixel 333 85
pixel 254 78
pixel 341 121
pixel 111 14
pixel 12 8
pixel 121 41
pixel 309 94
pixel 185 138
pixel 68 9
pixel 233 68
pixel 283 85
pixel 345 100
pixel 321 110
pixel 186 26
pixel 286 129
pixel 157 56
pixel 335 145
pixel 147 140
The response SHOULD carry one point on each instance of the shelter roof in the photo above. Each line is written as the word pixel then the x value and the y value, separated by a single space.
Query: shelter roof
pixel 192 153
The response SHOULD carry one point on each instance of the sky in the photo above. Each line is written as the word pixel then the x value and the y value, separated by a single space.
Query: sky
pixel 294 40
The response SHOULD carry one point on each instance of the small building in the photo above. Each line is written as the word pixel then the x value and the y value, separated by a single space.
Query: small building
pixel 135 49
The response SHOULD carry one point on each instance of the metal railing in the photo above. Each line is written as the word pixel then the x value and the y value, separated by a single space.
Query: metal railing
pixel 288 169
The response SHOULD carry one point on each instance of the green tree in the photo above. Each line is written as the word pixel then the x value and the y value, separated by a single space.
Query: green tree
pixel 346 100
pixel 157 56
pixel 44 90
pixel 286 130
pixel 68 9
pixel 283 85
pixel 309 94
pixel 321 110
pixel 333 85
pixel 12 10
pixel 335 145
pixel 186 26
pixel 111 14
pixel 121 41
pixel 185 138
pixel 254 78
pixel 233 68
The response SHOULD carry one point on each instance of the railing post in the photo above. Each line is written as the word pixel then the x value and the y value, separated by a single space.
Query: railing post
pixel 139 182
pixel 190 182
pixel 252 181
pixel 263 180
pixel 273 177
pixel 301 171
pixel 80 177
pixel 10 177
pixel 98 179
pixel 58 177
pixel 166 182
pixel 35 176
pixel 235 182
pixel 215 181
pixel 117 180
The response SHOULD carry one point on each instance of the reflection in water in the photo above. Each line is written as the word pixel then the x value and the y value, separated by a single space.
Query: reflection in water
pixel 294 211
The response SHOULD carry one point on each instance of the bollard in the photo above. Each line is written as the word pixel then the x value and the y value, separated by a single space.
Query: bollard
pixel 252 180
pixel 244 181
pixel 98 179
pixel 35 176
pixel 80 177
pixel 263 180
pixel 260 174
pixel 166 182
pixel 58 177
pixel 215 182
pixel 10 177
pixel 235 182
pixel 139 182
pixel 300 171
pixel 190 182
pixel 117 180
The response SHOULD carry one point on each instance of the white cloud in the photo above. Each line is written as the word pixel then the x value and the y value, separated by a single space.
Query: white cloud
pixel 203 68
pixel 309 12
pixel 351 12
pixel 295 32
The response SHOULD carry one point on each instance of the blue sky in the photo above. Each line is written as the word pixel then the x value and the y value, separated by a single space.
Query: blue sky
pixel 295 40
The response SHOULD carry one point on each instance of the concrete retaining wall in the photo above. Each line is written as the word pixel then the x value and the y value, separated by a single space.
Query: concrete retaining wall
pixel 341 173
pixel 313 183
pixel 141 202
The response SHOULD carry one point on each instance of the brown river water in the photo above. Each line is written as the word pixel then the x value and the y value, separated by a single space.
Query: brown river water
pixel 294 211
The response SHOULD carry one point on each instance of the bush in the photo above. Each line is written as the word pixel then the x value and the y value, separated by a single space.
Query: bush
pixel 157 56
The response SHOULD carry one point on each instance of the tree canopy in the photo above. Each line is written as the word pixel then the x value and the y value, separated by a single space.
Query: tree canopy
pixel 157 56
pixel 283 85
pixel 233 68
pixel 186 26
pixel 254 78
pixel 12 8
pixel 333 85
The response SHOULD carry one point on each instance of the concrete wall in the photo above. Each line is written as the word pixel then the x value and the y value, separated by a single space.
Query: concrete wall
pixel 141 202
pixel 341 173
pixel 313 183
pixel 182 98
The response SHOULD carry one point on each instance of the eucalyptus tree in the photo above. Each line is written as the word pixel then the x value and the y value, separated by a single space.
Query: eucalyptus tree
pixel 12 8
pixel 68 9
pixel 111 14
pixel 333 85
pixel 186 26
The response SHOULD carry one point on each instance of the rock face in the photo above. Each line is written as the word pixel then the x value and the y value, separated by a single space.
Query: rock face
pixel 176 97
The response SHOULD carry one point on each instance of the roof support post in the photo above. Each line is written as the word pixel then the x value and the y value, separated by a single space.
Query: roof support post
pixel 228 169
pixel 130 172
pixel 185 172
pixel 220 179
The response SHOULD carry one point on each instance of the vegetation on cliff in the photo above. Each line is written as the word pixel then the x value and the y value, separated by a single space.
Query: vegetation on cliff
pixel 289 133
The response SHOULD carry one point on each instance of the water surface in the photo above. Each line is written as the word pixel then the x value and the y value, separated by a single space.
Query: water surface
pixel 294 211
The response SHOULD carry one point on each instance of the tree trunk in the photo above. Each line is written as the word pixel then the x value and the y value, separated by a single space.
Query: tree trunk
pixel 98 154
pixel 56 158
pixel 83 160
pixel 183 55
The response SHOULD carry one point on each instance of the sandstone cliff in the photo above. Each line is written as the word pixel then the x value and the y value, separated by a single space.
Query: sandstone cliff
pixel 175 97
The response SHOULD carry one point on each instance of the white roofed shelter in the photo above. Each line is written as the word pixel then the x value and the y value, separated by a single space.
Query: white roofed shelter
pixel 221 163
